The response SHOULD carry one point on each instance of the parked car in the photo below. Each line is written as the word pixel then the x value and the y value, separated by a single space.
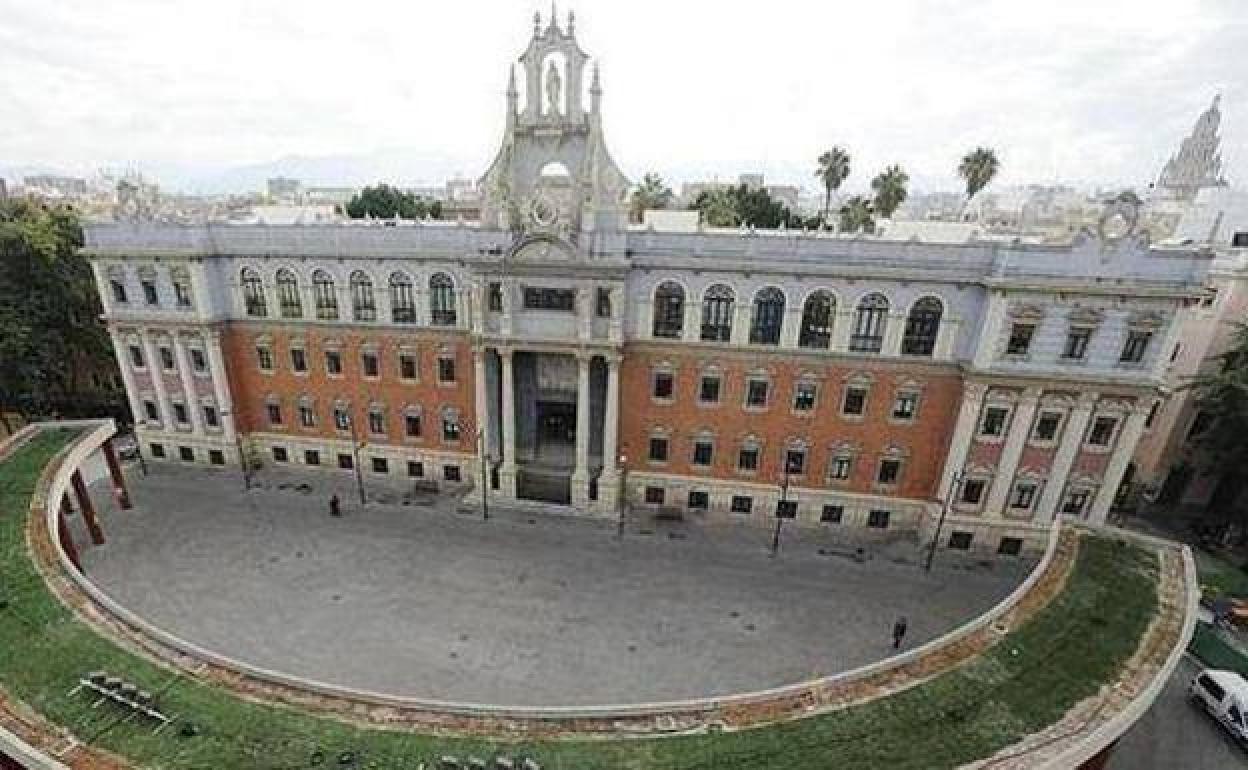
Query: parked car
pixel 127 447
pixel 1224 695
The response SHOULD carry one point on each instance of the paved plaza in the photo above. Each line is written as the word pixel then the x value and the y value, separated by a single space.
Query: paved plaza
pixel 521 609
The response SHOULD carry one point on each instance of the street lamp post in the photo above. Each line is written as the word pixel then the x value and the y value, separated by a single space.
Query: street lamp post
pixel 355 451
pixel 243 465
pixel 782 508
pixel 622 496
pixel 483 461
pixel 940 523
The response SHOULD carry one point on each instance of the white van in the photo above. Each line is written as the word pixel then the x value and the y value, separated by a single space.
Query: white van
pixel 1224 694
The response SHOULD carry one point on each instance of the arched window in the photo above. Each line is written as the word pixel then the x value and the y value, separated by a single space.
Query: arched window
pixel 717 313
pixel 442 300
pixel 669 310
pixel 869 322
pixel 922 326
pixel 817 315
pixel 768 317
pixel 325 295
pixel 288 295
pixel 363 305
pixel 253 294
pixel 402 299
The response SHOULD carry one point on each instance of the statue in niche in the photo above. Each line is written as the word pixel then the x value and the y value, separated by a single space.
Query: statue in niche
pixel 554 89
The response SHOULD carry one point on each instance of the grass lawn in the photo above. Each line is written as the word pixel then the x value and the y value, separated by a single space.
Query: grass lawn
pixel 1026 682
pixel 1220 575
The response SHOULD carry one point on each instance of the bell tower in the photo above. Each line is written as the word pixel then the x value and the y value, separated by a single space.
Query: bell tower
pixel 553 175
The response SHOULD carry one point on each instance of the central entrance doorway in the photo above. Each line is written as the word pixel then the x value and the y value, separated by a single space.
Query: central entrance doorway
pixel 547 476
pixel 556 426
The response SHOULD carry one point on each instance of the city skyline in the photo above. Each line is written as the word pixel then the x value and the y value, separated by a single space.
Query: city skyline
pixel 235 103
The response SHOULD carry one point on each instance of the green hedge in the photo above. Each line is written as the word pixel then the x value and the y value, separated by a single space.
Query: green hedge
pixel 1026 682
pixel 1215 652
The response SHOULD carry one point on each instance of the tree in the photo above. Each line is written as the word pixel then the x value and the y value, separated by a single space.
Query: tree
pixel 386 202
pixel 890 190
pixel 741 205
pixel 1222 400
pixel 718 207
pixel 833 169
pixel 652 193
pixel 857 216
pixel 977 168
pixel 51 339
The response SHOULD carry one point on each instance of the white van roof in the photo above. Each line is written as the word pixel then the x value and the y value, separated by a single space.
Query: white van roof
pixel 1230 681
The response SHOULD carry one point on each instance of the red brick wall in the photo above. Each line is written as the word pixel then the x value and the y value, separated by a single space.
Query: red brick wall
pixel 925 439
pixel 251 386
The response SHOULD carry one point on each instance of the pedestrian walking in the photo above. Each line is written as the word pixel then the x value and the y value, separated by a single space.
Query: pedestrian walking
pixel 899 632
pixel 335 508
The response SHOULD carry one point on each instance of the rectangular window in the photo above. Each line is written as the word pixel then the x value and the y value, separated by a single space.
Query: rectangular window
pixel 342 419
pixel 307 417
pixel 186 454
pixel 376 422
pixel 804 396
pixel 1075 501
pixel 1077 343
pixel 298 360
pixel 149 293
pixel 158 450
pixel 451 473
pixel 855 402
pixel 708 392
pixel 119 291
pixel 973 491
pixel 1046 426
pixel 1024 496
pixel 311 457
pixel 699 500
pixel 1020 339
pixel 407 366
pixel 839 469
pixel 742 504
pixel 663 385
pixel 264 358
pixel 655 495
pixel 832 514
pixel 878 519
pixel 333 362
pixel 198 361
pixel 216 457
pixel 994 421
pixel 747 459
pixel 210 416
pixel 756 393
pixel 960 541
pixel 658 450
pixel 1102 431
pixel 702 452
pixel 889 471
pixel 411 425
pixel 370 365
pixel 182 292
pixel 905 405
pixel 1010 546
pixel 345 462
pixel 381 465
pixel 537 298
pixel 494 298
pixel 603 304
pixel 450 427
pixel 136 356
pixel 166 359
pixel 786 509
pixel 415 469
pixel 446 369
pixel 1135 346
pixel 280 455
pixel 795 462
pixel 152 412
pixel 275 413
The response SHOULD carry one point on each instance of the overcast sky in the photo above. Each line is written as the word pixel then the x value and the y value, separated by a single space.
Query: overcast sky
pixel 1085 91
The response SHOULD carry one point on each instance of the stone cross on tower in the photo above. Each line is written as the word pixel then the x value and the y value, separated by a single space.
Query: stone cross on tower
pixel 1198 163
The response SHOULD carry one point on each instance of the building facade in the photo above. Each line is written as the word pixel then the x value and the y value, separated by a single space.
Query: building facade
pixel 570 359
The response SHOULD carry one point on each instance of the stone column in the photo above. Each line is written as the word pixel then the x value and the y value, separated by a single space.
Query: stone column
pixel 507 473
pixel 156 370
pixel 986 347
pixel 479 302
pixel 482 403
pixel 616 332
pixel 1124 449
pixel 792 327
pixel 509 305
pixel 893 333
pixel 221 386
pixel 1012 452
pixel 842 327
pixel 584 313
pixel 946 337
pixel 193 409
pixel 580 476
pixel 608 482
pixel 742 314
pixel 963 434
pixel 692 331
pixel 1059 471
pixel 120 350
pixel 119 479
pixel 87 507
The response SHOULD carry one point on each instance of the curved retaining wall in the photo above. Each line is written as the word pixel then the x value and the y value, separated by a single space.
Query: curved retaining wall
pixel 731 712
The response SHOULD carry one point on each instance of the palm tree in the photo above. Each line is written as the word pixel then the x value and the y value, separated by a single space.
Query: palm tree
pixel 978 168
pixel 890 190
pixel 857 215
pixel 652 193
pixel 833 169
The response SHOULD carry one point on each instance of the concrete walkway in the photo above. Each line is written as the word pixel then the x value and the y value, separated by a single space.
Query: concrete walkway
pixel 518 610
